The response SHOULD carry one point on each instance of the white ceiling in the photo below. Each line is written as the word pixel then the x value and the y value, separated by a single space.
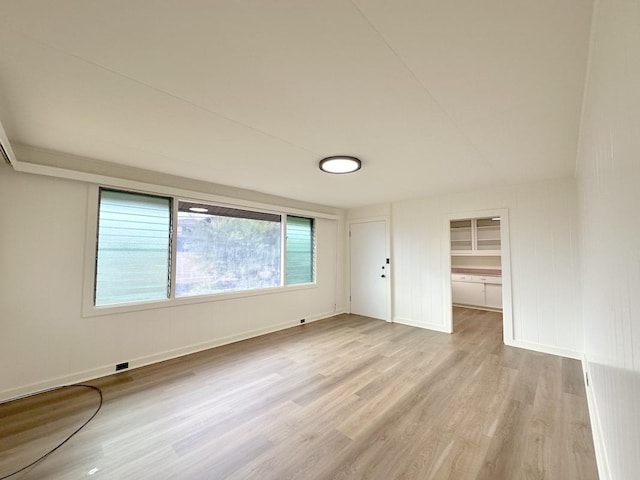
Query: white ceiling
pixel 435 96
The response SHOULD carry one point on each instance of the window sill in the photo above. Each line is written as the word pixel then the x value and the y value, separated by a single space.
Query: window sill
pixel 93 311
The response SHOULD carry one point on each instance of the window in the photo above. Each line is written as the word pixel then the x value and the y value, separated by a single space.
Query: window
pixel 300 250
pixel 142 256
pixel 133 251
pixel 223 249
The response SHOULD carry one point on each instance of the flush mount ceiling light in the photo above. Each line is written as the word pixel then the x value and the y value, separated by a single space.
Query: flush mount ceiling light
pixel 199 209
pixel 340 164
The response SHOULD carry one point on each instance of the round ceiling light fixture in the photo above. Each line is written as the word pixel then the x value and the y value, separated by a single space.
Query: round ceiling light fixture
pixel 340 164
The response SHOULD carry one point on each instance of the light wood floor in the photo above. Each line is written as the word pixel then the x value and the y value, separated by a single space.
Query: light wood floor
pixel 349 397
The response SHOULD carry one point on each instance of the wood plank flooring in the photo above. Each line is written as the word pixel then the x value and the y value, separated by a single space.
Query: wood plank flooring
pixel 344 398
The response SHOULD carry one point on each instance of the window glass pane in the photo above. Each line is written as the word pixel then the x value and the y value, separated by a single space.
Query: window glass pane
pixel 132 262
pixel 226 249
pixel 300 249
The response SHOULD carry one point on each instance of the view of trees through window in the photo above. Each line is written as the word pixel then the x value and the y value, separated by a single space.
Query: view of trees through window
pixel 221 251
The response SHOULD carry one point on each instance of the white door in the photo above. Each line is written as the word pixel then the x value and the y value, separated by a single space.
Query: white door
pixel 369 269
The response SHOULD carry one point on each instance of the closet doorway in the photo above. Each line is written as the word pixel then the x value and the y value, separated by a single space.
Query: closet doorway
pixel 478 273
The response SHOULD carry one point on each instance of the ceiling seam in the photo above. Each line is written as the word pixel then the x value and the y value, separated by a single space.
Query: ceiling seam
pixel 425 89
pixel 159 90
pixel 586 87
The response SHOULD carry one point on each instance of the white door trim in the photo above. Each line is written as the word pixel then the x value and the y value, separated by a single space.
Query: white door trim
pixel 387 225
pixel 507 303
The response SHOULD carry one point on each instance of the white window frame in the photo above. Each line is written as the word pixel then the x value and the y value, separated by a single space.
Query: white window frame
pixel 93 197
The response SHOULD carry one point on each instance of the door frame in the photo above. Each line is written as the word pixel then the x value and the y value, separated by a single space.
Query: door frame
pixel 505 250
pixel 387 228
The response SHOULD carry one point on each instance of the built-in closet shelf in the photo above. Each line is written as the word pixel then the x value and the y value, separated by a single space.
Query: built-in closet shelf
pixel 476 236
pixel 477 271
pixel 475 253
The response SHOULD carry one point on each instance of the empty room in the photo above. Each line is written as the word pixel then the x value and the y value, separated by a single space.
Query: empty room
pixel 339 239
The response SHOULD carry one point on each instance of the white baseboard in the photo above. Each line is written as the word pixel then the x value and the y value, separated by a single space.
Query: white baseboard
pixel 538 347
pixel 604 473
pixel 91 374
pixel 477 307
pixel 414 323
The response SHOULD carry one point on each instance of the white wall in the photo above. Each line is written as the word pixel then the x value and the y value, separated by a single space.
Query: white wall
pixel 608 174
pixel 44 341
pixel 544 258
pixel 371 211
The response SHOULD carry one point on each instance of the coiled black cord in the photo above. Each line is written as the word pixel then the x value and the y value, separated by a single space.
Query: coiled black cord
pixel 38 460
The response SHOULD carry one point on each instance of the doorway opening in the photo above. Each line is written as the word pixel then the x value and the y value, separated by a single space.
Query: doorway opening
pixel 479 271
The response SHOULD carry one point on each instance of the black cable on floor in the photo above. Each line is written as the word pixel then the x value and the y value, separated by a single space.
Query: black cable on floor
pixel 70 436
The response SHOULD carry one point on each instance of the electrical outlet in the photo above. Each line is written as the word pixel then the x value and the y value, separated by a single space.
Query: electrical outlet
pixel 122 366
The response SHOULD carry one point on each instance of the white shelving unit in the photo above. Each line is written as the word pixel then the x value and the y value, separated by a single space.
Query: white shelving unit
pixel 476 236
pixel 461 235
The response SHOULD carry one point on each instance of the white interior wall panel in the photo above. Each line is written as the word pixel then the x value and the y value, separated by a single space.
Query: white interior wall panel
pixel 544 259
pixel 45 341
pixel 608 173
